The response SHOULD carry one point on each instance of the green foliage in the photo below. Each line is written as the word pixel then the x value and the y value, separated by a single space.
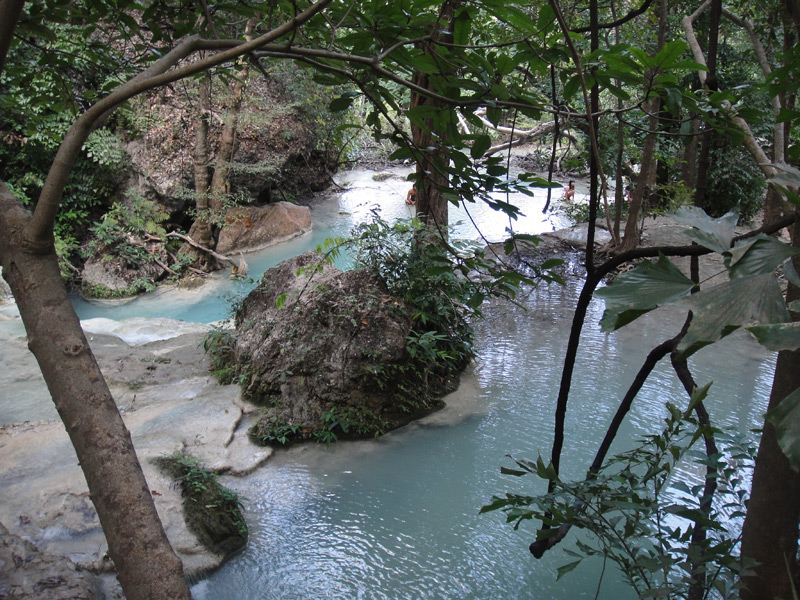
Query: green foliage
pixel 734 180
pixel 120 233
pixel 205 495
pixel 334 423
pixel 750 296
pixel 642 515
pixel 442 284
pixel 432 282
pixel 578 212
pixel 218 343
pixel 53 74
pixel 275 432
pixel 65 248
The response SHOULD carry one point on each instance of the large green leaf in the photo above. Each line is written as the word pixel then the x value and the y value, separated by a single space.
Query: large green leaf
pixel 778 336
pixel 714 234
pixel 791 274
pixel 636 292
pixel 722 309
pixel 788 178
pixel 670 53
pixel 759 255
pixel 786 419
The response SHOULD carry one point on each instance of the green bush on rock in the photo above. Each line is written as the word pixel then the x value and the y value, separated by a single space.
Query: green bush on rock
pixel 212 511
pixel 354 354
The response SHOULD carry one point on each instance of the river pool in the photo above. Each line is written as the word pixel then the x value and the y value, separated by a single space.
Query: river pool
pixel 397 518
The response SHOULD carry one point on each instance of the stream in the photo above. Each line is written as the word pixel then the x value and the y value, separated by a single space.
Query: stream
pixel 397 517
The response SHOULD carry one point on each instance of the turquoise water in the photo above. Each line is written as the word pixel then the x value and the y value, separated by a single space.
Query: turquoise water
pixel 397 518
pixel 333 214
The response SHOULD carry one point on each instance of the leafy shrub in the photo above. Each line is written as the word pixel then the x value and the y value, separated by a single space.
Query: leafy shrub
pixel 218 344
pixel 642 519
pixel 734 179
pixel 431 279
pixel 120 232
pixel 212 511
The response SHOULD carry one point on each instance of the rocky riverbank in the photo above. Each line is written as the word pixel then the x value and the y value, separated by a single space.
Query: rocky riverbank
pixel 53 546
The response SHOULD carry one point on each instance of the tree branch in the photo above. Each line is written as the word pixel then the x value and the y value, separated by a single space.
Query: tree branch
pixel 749 139
pixel 593 279
pixel 217 255
pixel 539 547
pixel 631 15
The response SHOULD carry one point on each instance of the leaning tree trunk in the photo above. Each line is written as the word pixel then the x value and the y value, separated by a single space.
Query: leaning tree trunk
pixel 201 229
pixel 769 535
pixel 147 567
pixel 643 183
pixel 648 171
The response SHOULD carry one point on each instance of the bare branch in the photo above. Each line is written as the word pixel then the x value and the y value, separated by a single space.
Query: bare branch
pixel 217 255
pixel 632 14
pixel 750 141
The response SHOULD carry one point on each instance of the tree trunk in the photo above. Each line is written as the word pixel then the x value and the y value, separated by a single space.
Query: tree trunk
pixel 769 535
pixel 433 157
pixel 220 186
pixel 644 182
pixel 689 166
pixel 201 230
pixel 648 171
pixel 147 567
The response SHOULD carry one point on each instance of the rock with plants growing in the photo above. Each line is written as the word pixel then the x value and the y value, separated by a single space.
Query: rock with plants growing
pixel 331 354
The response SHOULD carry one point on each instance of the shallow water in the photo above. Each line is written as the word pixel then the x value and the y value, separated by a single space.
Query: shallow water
pixel 398 517
pixel 333 214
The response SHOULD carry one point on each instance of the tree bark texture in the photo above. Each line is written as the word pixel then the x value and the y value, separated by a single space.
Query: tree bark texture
pixel 147 567
pixel 200 229
pixel 644 183
pixel 647 174
pixel 230 122
pixel 430 140
pixel 769 535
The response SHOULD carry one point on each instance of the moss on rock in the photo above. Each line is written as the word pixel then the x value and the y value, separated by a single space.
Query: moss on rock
pixel 212 511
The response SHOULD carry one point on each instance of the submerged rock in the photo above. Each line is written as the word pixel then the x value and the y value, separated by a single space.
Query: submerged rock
pixel 332 360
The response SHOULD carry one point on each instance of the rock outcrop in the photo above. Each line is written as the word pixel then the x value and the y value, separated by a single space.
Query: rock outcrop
pixel 169 404
pixel 251 228
pixel 102 278
pixel 332 359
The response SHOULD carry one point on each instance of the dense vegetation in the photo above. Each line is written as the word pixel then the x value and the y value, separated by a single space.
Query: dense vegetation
pixel 684 102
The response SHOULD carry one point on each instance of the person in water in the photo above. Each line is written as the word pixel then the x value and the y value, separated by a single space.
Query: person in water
pixel 411 199
pixel 569 191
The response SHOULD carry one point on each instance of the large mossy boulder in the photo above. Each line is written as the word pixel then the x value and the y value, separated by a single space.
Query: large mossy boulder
pixel 325 353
